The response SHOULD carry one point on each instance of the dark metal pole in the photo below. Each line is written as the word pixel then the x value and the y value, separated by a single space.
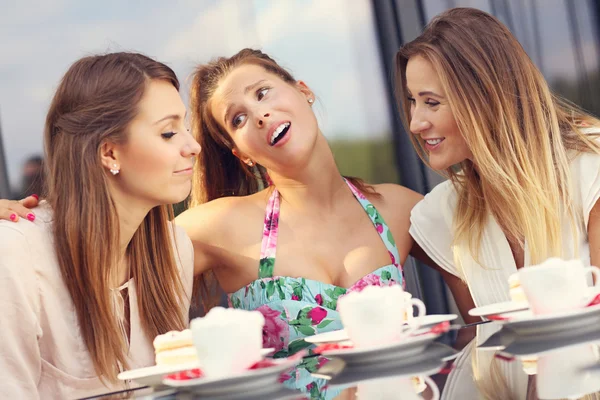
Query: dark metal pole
pixel 4 185
pixel 423 282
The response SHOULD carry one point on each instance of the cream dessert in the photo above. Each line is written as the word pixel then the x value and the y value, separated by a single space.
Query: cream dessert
pixel 175 347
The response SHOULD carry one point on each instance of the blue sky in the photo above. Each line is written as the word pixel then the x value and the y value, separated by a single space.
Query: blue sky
pixel 330 44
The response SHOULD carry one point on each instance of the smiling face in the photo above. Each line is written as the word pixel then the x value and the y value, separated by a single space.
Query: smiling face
pixel 270 121
pixel 431 116
pixel 156 161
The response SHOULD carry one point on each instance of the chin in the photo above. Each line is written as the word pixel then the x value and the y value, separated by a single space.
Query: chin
pixel 438 166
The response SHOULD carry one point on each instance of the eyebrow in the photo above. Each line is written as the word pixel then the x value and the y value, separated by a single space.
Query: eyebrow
pixel 429 93
pixel 247 89
pixel 171 116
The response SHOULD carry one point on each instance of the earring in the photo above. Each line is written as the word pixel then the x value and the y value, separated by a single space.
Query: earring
pixel 115 169
pixel 250 163
pixel 310 101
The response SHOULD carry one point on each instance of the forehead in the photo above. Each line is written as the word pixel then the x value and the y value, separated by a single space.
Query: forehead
pixel 160 98
pixel 420 73
pixel 232 86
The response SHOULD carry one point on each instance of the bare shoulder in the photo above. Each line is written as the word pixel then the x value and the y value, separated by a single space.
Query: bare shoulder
pixel 397 196
pixel 218 218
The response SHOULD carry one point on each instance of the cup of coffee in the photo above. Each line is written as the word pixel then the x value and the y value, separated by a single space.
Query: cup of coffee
pixel 557 285
pixel 377 315
pixel 228 340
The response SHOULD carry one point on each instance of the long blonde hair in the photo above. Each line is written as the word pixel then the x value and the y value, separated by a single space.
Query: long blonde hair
pixel 519 133
pixel 95 102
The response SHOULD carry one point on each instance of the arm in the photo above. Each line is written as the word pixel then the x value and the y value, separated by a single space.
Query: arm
pixel 594 234
pixel 209 227
pixel 20 359
pixel 458 288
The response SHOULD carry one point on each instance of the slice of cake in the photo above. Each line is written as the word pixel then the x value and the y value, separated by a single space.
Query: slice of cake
pixel 175 347
pixel 515 290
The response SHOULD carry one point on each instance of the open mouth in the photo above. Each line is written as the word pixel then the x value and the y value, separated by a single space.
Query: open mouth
pixel 433 142
pixel 279 133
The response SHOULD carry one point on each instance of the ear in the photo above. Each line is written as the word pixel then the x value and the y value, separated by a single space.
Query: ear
pixel 305 90
pixel 109 156
pixel 246 160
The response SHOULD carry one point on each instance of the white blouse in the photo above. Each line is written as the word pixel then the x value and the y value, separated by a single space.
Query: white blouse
pixel 42 354
pixel 431 227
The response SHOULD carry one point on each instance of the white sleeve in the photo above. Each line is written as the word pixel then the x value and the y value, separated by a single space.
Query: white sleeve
pixel 20 358
pixel 587 176
pixel 431 225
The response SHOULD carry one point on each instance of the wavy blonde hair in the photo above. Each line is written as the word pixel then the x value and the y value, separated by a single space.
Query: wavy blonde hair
pixel 519 133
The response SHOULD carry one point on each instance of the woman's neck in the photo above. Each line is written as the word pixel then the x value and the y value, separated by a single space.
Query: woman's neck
pixel 318 184
pixel 131 214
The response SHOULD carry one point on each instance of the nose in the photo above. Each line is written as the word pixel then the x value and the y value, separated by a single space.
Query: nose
pixel 260 122
pixel 418 123
pixel 192 147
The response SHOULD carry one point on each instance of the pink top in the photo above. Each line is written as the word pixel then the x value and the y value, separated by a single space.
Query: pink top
pixel 42 354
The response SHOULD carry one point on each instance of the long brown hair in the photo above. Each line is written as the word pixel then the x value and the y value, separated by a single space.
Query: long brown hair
pixel 518 131
pixel 220 172
pixel 95 102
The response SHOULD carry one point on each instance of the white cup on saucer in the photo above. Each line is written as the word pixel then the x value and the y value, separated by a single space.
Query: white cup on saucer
pixel 377 315
pixel 227 340
pixel 563 374
pixel 558 285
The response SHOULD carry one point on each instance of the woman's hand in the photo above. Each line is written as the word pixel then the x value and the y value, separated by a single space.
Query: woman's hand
pixel 12 210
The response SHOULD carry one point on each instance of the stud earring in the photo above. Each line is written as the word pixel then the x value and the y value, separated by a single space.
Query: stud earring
pixel 251 163
pixel 310 101
pixel 115 169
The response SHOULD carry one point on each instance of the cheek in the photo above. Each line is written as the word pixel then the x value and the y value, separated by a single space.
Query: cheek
pixel 150 160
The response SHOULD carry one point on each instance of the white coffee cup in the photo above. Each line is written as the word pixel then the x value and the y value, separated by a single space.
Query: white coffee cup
pixel 228 341
pixel 377 315
pixel 557 285
pixel 563 374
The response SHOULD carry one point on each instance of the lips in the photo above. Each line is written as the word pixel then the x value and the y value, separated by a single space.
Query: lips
pixel 278 132
pixel 189 169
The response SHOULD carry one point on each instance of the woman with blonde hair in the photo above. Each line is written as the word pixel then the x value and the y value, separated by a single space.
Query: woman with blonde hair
pixel 101 270
pixel 523 165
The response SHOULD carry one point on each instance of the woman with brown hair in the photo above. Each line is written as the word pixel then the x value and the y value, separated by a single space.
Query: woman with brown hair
pixel 523 165
pixel 101 271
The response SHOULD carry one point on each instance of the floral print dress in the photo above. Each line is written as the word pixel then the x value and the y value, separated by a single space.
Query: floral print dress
pixel 295 308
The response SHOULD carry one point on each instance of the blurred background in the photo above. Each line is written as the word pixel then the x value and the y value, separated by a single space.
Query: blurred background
pixel 343 49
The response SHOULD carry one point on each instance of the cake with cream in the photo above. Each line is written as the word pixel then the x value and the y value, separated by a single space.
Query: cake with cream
pixel 515 290
pixel 175 347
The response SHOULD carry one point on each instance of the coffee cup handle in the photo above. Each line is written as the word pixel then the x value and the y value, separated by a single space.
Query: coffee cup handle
pixel 413 323
pixel 421 311
pixel 595 271
pixel 435 390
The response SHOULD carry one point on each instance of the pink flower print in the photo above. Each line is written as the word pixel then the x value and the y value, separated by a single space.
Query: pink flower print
pixel 317 315
pixel 276 332
pixel 319 299
pixel 284 377
pixel 294 297
pixel 322 361
pixel 369 280
pixel 379 228
pixel 393 259
pixel 310 386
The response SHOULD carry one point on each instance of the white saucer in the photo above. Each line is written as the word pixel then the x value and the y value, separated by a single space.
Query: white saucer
pixel 341 334
pixel 408 347
pixel 153 376
pixel 250 382
pixel 428 362
pixel 498 308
